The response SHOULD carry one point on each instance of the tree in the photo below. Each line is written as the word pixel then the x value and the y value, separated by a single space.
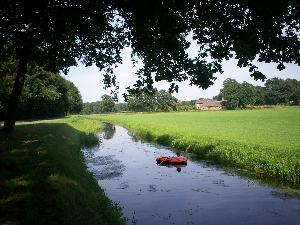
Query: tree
pixel 44 95
pixel 260 95
pixel 276 91
pixel 87 108
pixel 230 92
pixel 279 91
pixel 165 102
pixel 142 102
pixel 57 34
pixel 158 101
pixel 121 107
pixel 237 95
pixel 294 87
pixel 247 95
pixel 107 104
pixel 186 105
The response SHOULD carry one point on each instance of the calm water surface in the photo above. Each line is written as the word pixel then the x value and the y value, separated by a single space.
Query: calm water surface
pixel 198 194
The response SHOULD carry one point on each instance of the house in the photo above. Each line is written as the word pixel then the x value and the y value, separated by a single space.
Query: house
pixel 209 104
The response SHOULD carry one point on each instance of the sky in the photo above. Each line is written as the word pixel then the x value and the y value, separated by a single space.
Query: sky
pixel 89 80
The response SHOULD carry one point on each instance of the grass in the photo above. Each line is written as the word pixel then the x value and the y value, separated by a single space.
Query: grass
pixel 43 177
pixel 265 141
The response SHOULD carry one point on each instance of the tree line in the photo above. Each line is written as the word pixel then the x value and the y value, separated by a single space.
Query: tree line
pixel 236 95
pixel 45 94
pixel 275 91
pixel 145 101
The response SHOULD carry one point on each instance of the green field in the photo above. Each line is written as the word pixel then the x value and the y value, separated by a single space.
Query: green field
pixel 266 141
pixel 44 179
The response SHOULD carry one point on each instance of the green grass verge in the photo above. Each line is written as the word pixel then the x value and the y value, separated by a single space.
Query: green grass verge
pixel 265 141
pixel 44 180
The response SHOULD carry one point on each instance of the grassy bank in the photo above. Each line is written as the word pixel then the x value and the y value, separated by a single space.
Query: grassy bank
pixel 265 141
pixel 43 178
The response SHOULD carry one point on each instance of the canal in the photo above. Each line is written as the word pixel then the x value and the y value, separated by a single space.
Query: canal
pixel 198 193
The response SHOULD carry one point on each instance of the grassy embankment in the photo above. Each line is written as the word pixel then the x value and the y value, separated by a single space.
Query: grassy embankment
pixel 265 141
pixel 43 178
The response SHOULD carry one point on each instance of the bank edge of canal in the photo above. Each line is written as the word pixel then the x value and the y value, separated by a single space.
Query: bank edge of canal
pixel 43 177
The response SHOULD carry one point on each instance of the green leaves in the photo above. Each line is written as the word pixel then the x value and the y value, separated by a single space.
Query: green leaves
pixel 95 32
pixel 45 94
pixel 276 91
pixel 146 101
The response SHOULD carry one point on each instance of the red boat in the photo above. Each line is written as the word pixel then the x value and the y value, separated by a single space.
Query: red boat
pixel 172 160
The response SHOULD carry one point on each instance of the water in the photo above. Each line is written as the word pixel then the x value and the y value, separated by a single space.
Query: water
pixel 198 194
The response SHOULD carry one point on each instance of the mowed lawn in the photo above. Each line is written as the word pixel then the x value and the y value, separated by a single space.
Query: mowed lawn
pixel 266 141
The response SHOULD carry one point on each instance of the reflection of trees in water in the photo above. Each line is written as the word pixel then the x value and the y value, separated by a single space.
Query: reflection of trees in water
pixel 285 194
pixel 109 130
pixel 105 167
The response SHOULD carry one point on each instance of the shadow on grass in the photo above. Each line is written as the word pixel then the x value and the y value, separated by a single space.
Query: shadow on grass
pixel 43 178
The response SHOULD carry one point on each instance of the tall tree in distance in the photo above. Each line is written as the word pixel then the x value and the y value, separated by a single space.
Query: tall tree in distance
pixel 107 104
pixel 58 34
pixel 279 91
pixel 230 92
pixel 158 101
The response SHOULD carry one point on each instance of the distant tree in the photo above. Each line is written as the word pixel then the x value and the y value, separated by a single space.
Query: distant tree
pixel 165 101
pixel 247 95
pixel 142 102
pixel 58 34
pixel 277 91
pixel 280 91
pixel 87 108
pixel 259 95
pixel 97 107
pixel 294 86
pixel 107 104
pixel 237 95
pixel 230 92
pixel 121 107
pixel 186 105
pixel 218 97
pixel 152 102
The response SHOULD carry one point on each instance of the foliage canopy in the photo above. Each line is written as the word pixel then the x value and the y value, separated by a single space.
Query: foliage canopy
pixel 61 32
pixel 45 95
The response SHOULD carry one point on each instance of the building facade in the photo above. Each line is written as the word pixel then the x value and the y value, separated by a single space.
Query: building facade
pixel 209 104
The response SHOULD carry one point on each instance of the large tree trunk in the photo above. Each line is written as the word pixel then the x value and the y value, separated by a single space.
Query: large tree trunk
pixel 11 115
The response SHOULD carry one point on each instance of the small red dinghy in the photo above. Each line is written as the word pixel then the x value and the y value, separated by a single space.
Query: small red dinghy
pixel 174 159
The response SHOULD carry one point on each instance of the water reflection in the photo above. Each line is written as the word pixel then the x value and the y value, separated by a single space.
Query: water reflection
pixel 201 193
pixel 109 130
pixel 103 167
pixel 169 165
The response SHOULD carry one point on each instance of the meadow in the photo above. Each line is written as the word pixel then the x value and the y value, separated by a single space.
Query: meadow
pixel 44 179
pixel 263 141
